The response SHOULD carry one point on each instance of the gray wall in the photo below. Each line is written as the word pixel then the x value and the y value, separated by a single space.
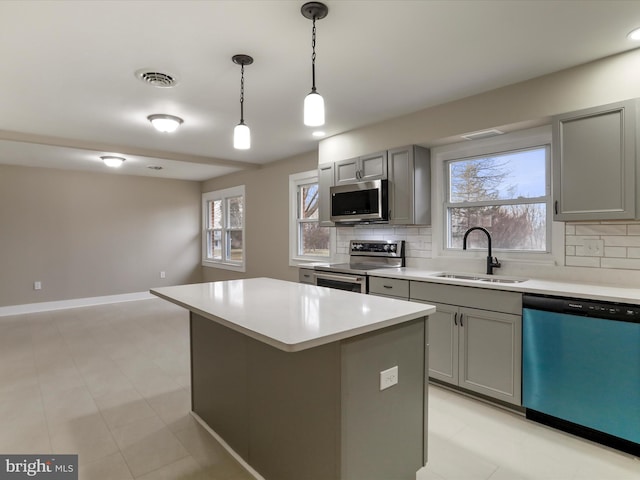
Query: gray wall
pixel 267 218
pixel 88 235
pixel 517 106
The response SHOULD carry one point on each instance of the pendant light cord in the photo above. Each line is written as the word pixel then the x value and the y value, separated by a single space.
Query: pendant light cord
pixel 242 93
pixel 313 56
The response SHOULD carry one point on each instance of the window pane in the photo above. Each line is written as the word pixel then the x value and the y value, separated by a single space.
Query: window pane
pixel 215 214
pixel 235 212
pixel 214 244
pixel 512 227
pixel 234 245
pixel 314 239
pixel 308 201
pixel 518 174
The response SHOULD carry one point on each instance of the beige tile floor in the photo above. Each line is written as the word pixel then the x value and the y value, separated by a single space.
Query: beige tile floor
pixel 111 383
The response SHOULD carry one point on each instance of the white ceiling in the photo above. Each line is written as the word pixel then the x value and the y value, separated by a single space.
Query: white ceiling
pixel 69 93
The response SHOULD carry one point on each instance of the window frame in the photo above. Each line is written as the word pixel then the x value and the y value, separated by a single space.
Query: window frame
pixel 224 195
pixel 297 180
pixel 508 142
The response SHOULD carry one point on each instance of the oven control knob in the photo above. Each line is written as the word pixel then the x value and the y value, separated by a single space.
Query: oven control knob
pixel 392 247
pixel 386 248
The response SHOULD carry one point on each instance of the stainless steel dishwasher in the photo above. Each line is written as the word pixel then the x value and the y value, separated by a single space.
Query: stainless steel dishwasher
pixel 581 368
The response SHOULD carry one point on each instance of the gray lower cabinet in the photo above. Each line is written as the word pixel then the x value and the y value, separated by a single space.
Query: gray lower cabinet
pixel 594 163
pixel 306 275
pixel 389 287
pixel 316 414
pixel 478 349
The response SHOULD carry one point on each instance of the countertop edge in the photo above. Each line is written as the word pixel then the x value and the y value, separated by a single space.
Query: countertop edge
pixel 424 311
pixel 587 291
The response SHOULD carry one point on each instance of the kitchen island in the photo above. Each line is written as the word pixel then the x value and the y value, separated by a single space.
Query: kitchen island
pixel 289 376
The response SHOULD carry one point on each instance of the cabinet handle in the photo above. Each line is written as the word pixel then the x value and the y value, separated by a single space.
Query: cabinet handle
pixel 387 286
pixel 555 207
pixel 455 319
pixel 461 322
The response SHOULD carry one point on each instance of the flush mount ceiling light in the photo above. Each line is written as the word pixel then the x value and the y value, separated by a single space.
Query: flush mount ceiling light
pixel 242 134
pixel 314 103
pixel 165 123
pixel 634 34
pixel 111 161
pixel 318 133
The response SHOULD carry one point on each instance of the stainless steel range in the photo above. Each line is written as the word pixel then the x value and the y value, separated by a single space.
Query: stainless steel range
pixel 364 255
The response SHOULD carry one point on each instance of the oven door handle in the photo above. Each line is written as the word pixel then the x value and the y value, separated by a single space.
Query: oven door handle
pixel 340 278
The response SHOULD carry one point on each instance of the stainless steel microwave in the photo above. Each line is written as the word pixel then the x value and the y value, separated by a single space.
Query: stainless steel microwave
pixel 363 202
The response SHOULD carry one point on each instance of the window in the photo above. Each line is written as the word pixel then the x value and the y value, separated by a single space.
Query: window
pixel 502 184
pixel 308 240
pixel 507 193
pixel 223 235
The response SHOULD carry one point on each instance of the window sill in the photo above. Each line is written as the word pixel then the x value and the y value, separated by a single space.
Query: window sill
pixel 224 266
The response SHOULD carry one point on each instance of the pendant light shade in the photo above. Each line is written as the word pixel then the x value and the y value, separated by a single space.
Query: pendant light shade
pixel 314 103
pixel 314 110
pixel 241 133
pixel 241 137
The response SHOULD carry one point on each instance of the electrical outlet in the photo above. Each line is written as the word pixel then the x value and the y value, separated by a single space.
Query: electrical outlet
pixel 163 274
pixel 388 378
pixel 37 285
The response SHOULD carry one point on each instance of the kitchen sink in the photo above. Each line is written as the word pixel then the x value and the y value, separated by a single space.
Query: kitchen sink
pixel 480 278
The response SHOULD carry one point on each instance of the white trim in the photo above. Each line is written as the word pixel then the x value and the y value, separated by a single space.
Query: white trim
pixel 226 446
pixel 295 260
pixel 238 191
pixel 73 303
pixel 510 141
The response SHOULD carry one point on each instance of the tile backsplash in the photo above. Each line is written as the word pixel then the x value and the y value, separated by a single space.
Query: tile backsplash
pixel 603 245
pixel 610 245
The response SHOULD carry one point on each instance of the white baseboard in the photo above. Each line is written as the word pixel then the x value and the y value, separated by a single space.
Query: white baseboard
pixel 226 446
pixel 73 303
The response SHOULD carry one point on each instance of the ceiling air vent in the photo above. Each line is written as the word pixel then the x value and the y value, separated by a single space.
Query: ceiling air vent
pixel 156 79
pixel 482 134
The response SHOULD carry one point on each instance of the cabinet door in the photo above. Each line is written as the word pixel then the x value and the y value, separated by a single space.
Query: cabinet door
pixel 594 155
pixel 443 343
pixel 491 353
pixel 347 171
pixel 325 181
pixel 373 167
pixel 401 194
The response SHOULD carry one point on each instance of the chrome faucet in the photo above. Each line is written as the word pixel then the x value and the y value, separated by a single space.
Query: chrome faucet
pixel 491 261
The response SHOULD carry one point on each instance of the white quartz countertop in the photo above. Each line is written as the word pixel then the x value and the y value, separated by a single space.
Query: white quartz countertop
pixel 291 316
pixel 543 287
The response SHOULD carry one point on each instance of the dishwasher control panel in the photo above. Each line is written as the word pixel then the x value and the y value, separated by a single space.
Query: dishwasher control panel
pixel 587 308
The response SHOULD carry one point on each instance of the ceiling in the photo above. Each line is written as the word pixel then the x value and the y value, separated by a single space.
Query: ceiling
pixel 70 93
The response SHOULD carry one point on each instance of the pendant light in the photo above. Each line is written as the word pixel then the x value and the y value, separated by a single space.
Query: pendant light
pixel 242 134
pixel 314 103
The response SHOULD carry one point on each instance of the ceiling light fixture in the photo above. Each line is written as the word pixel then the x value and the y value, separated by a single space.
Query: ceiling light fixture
pixel 242 134
pixel 111 161
pixel 634 34
pixel 314 103
pixel 165 123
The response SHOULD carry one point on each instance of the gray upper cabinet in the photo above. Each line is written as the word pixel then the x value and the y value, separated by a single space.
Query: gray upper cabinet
pixel 409 174
pixel 361 169
pixel 594 163
pixel 325 182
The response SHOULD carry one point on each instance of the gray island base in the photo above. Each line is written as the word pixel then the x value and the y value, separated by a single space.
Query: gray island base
pixel 309 407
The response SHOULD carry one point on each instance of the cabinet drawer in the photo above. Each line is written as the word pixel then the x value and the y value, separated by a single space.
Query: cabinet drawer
pixel 306 275
pixel 389 286
pixel 482 298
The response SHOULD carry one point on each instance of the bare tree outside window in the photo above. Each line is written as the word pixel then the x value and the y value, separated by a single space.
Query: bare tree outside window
pixel 313 239
pixel 505 193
